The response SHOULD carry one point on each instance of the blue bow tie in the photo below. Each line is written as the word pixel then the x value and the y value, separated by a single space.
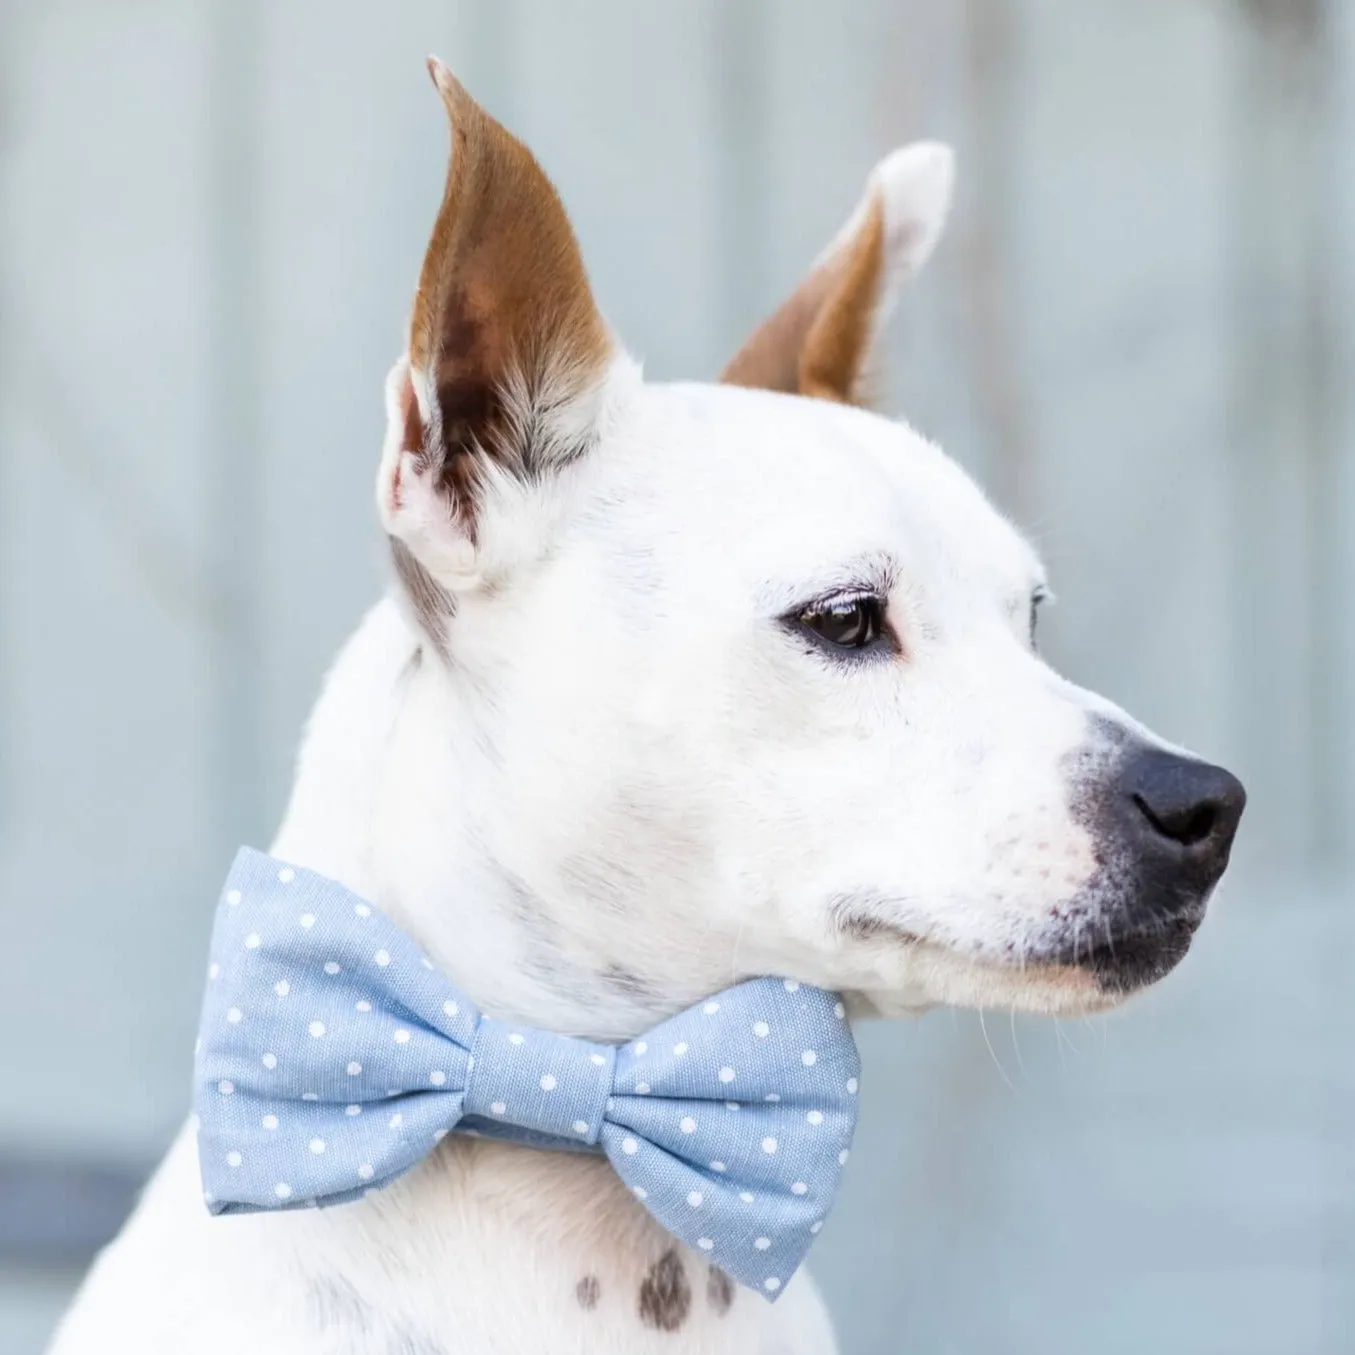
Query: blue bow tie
pixel 334 1055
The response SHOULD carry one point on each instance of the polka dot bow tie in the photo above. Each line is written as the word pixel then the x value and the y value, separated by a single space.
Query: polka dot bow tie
pixel 334 1055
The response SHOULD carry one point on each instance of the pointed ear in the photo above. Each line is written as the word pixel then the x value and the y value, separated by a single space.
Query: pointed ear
pixel 820 341
pixel 507 353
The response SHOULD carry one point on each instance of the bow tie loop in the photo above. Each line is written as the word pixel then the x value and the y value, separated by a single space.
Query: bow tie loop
pixel 334 1055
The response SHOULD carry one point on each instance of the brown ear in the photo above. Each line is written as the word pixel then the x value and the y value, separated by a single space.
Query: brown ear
pixel 821 340
pixel 504 330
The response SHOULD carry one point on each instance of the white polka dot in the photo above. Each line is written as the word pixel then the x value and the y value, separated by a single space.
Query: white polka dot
pixel 705 1243
pixel 763 1243
pixel 726 1075
pixel 771 1284
pixel 233 897
pixel 317 1146
pixel 233 1159
pixel 354 1068
pixel 814 1227
pixel 269 1061
pixel 680 1048
pixel 352 1110
pixel 253 941
pixel 439 1135
pixel 746 1196
pixel 401 1037
pixel 516 1038
pixel 629 1146
pixel 449 1008
pixel 286 875
pixel 317 1029
pixel 852 1085
pixel 213 970
pixel 642 1089
pixel 772 1096
pixel 688 1125
pixel 269 1122
pixel 382 957
pixel 208 1197
pixel 332 967
pixel 641 1193
pixel 839 1010
pixel 426 962
pixel 307 920
pixel 711 1008
pixel 282 1190
pixel 362 910
pixel 470 1063
pixel 396 1121
pixel 799 1188
pixel 499 1108
pixel 842 1158
pixel 611 1104
pixel 761 1029
pixel 769 1144
pixel 235 1016
pixel 282 987
pixel 366 1172
pixel 733 1105
pixel 437 1077
pixel 548 1083
pixel 226 1087
pixel 717 1167
pixel 641 1047
pixel 310 1096
pixel 791 986
pixel 580 1126
pixel 814 1117
pixel 694 1199
pixel 363 1006
pixel 598 1060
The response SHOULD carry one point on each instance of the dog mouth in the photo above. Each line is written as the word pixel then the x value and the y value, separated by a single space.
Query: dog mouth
pixel 1136 959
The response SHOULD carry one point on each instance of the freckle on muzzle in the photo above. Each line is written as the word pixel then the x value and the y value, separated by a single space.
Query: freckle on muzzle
pixel 1162 826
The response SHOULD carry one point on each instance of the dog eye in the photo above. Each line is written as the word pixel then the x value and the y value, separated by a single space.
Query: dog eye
pixel 846 622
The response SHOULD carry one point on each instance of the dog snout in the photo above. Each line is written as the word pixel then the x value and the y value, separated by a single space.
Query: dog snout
pixel 1182 815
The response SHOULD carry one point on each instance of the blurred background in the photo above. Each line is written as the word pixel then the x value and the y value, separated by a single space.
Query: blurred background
pixel 1138 334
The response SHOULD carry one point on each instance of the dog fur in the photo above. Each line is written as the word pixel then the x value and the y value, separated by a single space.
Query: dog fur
pixel 593 755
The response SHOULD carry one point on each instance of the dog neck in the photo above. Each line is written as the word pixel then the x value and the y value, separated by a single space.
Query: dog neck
pixel 403 831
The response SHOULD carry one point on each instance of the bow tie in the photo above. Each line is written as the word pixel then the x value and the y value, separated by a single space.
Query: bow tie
pixel 333 1055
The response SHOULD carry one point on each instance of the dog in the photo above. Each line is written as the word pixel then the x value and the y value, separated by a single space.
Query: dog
pixel 677 685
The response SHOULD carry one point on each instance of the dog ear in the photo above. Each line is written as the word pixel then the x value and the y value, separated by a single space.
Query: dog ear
pixel 820 341
pixel 506 361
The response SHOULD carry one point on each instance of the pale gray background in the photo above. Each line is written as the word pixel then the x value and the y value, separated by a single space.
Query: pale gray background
pixel 1138 334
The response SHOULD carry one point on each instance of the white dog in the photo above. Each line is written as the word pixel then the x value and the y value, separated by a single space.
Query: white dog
pixel 682 684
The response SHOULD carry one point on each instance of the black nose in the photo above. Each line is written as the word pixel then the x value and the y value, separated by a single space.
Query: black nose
pixel 1186 811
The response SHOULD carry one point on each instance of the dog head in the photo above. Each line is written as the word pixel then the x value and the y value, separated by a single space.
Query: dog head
pixel 722 680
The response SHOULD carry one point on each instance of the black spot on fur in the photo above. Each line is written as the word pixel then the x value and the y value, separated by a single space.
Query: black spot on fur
pixel 665 1295
pixel 588 1291
pixel 719 1291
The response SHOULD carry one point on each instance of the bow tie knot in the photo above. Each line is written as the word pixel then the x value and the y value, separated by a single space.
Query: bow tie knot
pixel 541 1082
pixel 333 1056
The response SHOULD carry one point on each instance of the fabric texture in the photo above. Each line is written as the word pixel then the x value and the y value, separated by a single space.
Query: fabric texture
pixel 333 1056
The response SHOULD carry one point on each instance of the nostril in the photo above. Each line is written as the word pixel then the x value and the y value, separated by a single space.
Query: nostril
pixel 1191 805
pixel 1189 826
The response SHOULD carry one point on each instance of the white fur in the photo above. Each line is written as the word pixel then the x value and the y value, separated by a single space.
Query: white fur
pixel 632 785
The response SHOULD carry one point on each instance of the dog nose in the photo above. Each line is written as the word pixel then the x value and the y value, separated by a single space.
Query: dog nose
pixel 1186 812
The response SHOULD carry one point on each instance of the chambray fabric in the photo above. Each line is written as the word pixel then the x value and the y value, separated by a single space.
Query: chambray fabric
pixel 333 1055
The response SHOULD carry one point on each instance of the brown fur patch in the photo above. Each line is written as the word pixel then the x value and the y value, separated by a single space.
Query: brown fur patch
pixel 588 1291
pixel 502 298
pixel 719 1291
pixel 818 341
pixel 665 1295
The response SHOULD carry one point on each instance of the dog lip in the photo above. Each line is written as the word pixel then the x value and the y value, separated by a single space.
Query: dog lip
pixel 1135 959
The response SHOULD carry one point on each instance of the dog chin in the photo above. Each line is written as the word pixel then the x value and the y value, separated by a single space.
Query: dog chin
pixel 1102 977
